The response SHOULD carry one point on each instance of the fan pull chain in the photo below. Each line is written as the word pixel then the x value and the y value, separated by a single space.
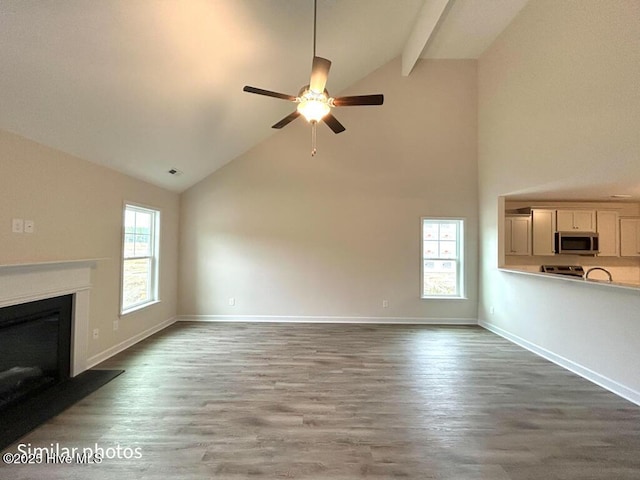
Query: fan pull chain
pixel 314 150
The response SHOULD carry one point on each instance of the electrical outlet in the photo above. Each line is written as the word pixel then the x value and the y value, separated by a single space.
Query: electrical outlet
pixel 232 301
pixel 96 333
pixel 29 226
pixel 17 225
pixel 116 325
pixel 385 303
pixel 492 310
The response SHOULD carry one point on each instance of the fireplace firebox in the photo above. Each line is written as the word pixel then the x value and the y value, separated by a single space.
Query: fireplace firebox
pixel 35 347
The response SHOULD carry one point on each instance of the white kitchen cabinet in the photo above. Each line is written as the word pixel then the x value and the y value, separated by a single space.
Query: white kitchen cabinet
pixel 517 235
pixel 630 237
pixel 543 227
pixel 608 233
pixel 576 220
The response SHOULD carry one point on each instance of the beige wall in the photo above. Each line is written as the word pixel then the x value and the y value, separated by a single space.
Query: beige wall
pixel 77 209
pixel 286 234
pixel 559 104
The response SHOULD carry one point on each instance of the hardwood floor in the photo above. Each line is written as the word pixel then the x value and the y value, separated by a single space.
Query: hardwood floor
pixel 317 401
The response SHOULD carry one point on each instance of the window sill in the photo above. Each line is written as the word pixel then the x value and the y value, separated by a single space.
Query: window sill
pixel 137 308
pixel 437 297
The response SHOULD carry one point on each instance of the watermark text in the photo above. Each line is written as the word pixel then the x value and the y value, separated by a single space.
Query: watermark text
pixel 55 453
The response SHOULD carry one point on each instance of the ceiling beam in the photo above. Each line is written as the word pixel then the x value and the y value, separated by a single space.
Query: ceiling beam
pixel 428 18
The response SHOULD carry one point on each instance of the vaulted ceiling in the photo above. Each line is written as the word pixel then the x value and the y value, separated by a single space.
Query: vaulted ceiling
pixel 148 85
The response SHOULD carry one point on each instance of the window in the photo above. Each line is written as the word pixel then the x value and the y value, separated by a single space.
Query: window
pixel 139 258
pixel 442 265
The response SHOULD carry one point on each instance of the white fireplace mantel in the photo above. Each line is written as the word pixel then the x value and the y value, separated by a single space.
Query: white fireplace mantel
pixel 28 282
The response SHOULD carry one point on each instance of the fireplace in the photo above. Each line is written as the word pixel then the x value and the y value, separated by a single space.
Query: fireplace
pixel 44 343
pixel 26 283
pixel 35 347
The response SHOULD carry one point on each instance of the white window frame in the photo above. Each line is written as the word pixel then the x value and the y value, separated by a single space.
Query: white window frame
pixel 458 259
pixel 154 257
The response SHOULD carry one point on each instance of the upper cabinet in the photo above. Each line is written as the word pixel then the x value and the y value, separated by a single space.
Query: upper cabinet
pixel 544 226
pixel 608 233
pixel 517 235
pixel 576 220
pixel 530 229
pixel 630 237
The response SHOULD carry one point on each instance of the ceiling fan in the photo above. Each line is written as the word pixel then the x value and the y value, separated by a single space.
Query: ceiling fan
pixel 314 102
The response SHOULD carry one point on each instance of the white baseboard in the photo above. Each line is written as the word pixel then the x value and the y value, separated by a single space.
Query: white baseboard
pixel 605 382
pixel 110 352
pixel 326 319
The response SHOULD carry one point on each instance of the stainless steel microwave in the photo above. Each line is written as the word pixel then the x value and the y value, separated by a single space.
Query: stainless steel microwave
pixel 576 243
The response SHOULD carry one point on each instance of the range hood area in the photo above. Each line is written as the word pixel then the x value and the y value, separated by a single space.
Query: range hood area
pixel 572 240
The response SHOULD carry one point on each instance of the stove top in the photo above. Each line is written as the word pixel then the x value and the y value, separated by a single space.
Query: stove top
pixel 571 270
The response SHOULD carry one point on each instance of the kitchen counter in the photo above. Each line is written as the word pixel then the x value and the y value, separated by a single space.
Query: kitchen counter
pixel 569 278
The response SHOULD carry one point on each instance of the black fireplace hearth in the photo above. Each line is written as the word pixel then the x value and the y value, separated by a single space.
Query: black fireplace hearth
pixel 35 366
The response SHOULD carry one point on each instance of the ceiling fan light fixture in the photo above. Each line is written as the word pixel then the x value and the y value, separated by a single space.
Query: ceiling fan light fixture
pixel 313 106
pixel 313 100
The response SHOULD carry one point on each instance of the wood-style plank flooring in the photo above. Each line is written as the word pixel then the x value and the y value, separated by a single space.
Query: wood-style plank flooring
pixel 318 401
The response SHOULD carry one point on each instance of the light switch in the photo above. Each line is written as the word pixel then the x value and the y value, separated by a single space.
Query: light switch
pixel 28 226
pixel 17 225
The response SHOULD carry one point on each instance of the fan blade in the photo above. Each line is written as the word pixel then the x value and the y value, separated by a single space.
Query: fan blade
pixel 319 74
pixel 333 123
pixel 286 120
pixel 356 100
pixel 269 93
